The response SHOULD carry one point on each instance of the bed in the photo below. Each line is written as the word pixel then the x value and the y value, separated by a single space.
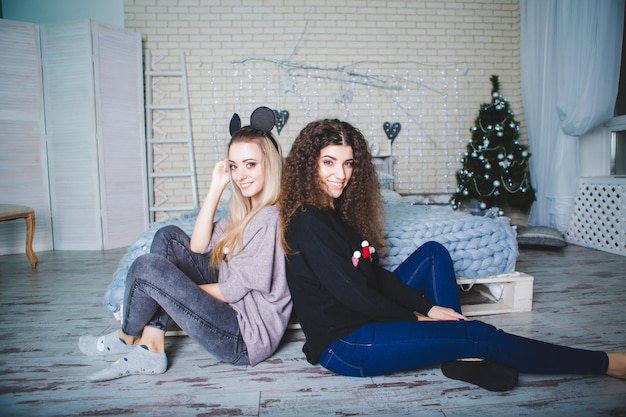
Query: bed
pixel 483 249
pixel 480 246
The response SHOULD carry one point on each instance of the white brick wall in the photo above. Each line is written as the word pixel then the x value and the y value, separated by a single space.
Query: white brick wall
pixel 434 59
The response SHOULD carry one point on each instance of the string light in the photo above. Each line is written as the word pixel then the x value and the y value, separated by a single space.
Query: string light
pixel 422 161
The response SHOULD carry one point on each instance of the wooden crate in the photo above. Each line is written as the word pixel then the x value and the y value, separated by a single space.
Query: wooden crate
pixel 517 294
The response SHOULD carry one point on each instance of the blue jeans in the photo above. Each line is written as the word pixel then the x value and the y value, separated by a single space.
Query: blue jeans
pixel 384 347
pixel 165 283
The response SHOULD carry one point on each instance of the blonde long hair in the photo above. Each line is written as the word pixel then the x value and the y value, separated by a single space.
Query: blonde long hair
pixel 240 210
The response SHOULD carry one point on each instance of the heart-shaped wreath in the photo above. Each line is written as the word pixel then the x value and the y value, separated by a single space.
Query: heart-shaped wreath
pixel 281 119
pixel 392 130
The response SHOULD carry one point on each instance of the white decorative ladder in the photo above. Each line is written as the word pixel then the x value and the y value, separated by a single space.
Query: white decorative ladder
pixel 155 113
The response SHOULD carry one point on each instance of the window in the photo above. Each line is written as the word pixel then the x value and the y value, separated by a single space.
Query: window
pixel 617 125
pixel 617 129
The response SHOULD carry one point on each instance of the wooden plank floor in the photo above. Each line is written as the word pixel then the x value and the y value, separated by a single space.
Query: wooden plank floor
pixel 579 299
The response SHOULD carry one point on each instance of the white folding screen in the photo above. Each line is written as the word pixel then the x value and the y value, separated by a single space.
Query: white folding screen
pixel 23 167
pixel 94 134
pixel 93 98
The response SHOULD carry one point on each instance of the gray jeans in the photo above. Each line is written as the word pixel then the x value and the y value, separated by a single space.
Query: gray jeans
pixel 165 283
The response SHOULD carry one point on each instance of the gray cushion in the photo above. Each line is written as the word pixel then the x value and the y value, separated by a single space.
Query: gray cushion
pixel 540 237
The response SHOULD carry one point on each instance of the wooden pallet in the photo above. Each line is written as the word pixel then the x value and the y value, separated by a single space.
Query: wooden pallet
pixel 517 294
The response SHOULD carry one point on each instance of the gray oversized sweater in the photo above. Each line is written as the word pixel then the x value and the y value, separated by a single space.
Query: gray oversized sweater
pixel 254 283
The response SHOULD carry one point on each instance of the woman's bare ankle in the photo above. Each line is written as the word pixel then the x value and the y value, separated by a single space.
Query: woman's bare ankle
pixel 153 339
pixel 617 365
pixel 129 340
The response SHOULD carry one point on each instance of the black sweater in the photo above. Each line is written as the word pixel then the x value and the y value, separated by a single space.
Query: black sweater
pixel 331 296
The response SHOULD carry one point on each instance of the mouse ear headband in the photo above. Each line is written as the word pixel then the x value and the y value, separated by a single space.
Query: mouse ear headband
pixel 263 119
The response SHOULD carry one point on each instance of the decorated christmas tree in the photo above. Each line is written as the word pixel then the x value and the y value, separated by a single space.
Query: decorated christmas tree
pixel 495 166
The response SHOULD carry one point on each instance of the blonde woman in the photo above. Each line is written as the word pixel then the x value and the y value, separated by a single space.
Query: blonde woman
pixel 225 286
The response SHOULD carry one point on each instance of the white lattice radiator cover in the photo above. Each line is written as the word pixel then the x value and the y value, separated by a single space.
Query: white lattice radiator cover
pixel 599 218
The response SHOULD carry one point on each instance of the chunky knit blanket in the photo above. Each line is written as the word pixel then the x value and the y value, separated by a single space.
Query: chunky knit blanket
pixel 479 246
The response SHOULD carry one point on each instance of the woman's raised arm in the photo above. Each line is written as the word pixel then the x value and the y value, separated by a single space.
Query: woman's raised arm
pixel 203 228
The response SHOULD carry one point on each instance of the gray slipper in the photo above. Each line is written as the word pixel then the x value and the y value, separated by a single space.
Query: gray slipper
pixel 139 361
pixel 109 344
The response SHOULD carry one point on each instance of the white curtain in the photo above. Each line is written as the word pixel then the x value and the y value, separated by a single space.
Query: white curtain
pixel 570 53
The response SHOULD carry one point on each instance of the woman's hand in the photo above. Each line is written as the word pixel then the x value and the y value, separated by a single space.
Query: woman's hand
pixel 214 291
pixel 442 313
pixel 221 176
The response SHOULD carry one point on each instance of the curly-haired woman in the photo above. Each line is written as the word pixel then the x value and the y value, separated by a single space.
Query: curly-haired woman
pixel 360 319
pixel 225 286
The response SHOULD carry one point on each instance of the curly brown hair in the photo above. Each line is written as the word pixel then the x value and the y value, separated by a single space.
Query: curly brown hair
pixel 360 204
